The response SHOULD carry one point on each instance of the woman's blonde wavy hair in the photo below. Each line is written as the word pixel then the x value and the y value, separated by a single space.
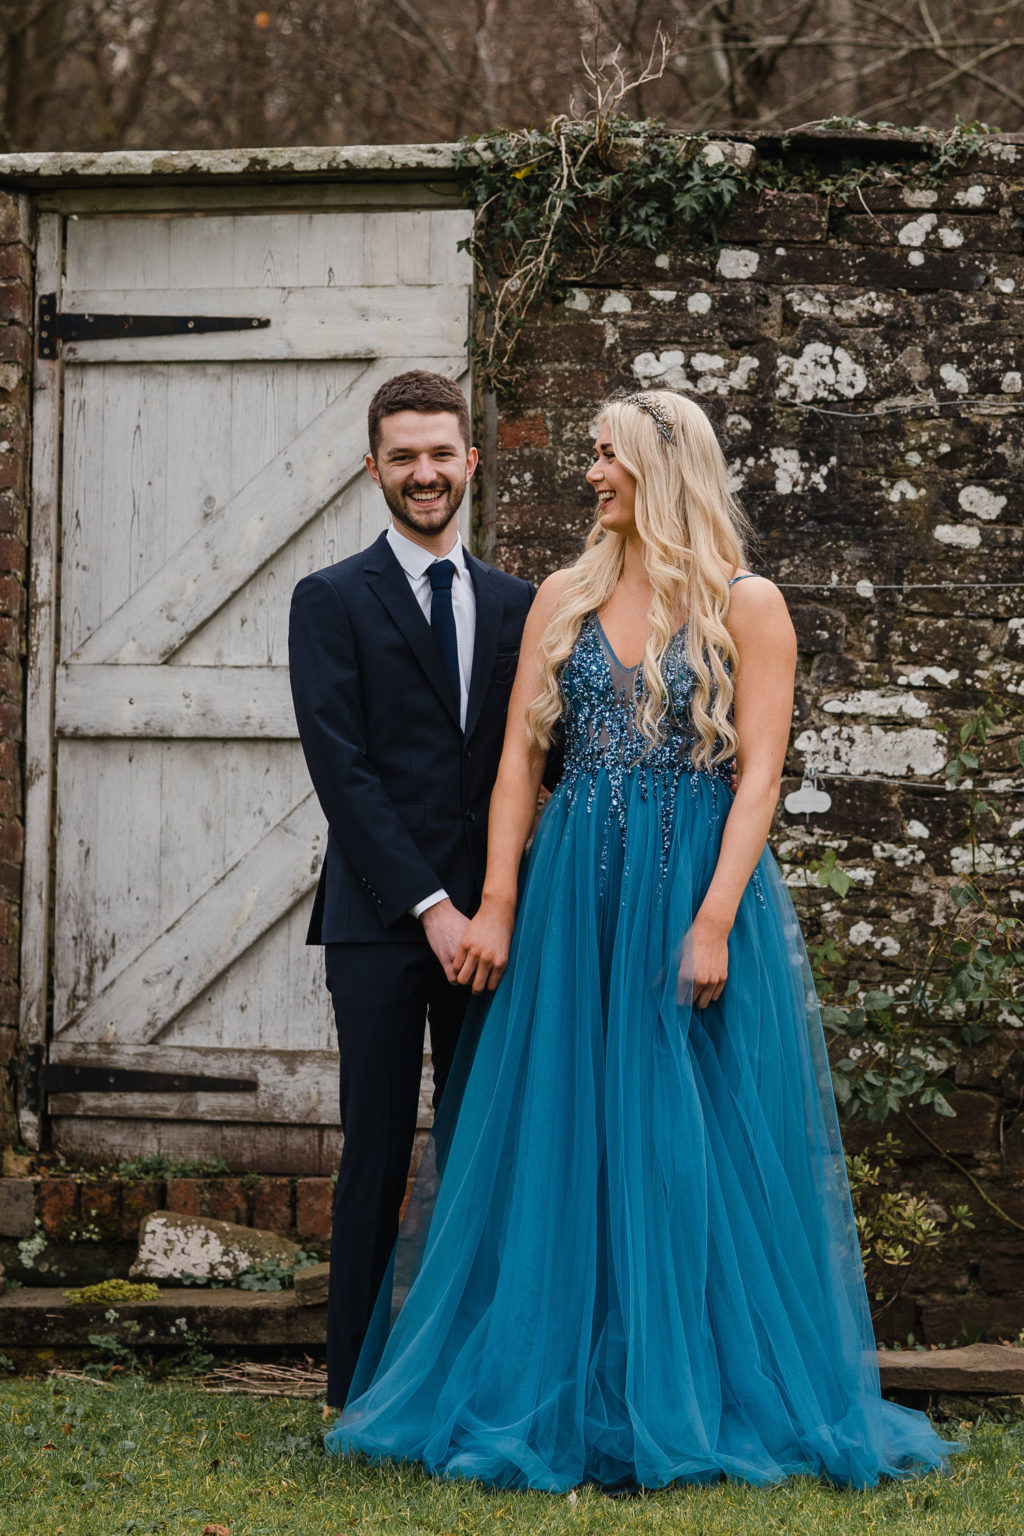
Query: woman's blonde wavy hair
pixel 692 533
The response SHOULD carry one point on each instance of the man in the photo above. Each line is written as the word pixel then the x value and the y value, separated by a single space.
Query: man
pixel 402 660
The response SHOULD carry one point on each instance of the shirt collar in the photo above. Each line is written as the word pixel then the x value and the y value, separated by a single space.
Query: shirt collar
pixel 416 561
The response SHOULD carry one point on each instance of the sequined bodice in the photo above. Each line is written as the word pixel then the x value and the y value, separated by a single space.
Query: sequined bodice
pixel 600 698
pixel 603 743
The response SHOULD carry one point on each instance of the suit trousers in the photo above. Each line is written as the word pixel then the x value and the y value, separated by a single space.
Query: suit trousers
pixel 383 995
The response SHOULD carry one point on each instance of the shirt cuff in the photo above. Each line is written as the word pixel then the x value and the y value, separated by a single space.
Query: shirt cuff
pixel 428 901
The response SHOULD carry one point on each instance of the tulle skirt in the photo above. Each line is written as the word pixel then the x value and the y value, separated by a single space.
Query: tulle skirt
pixel 640 1263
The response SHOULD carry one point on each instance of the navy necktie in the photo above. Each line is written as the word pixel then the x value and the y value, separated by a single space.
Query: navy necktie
pixel 442 623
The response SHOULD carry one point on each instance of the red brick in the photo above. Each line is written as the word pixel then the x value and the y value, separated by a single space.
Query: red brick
pixel 9 1008
pixel 10 881
pixel 15 261
pixel 12 469
pixel 12 554
pixel 15 345
pixel 58 1203
pixel 137 1200
pixel 183 1196
pixel 10 676
pixel 15 302
pixel 13 518
pixel 226 1200
pixel 314 1205
pixel 13 219
pixel 524 432
pixel 272 1204
pixel 9 961
pixel 12 595
pixel 12 842
pixel 101 1206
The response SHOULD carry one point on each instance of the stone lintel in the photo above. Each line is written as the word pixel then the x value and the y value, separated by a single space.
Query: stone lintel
pixel 401 162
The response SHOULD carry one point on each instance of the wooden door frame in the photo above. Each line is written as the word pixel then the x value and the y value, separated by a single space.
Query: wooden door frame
pixel 40 685
pixel 53 206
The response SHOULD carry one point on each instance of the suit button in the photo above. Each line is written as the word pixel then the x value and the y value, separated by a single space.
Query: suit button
pixel 468 753
pixel 471 815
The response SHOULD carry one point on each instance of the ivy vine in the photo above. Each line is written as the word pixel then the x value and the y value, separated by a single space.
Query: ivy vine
pixel 555 206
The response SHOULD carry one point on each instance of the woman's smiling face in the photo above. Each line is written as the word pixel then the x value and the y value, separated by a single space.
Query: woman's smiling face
pixel 614 485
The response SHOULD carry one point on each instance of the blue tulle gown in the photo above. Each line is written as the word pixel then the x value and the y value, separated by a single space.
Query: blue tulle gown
pixel 640 1263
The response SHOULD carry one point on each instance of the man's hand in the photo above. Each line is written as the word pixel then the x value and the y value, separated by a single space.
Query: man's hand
pixel 483 953
pixel 444 926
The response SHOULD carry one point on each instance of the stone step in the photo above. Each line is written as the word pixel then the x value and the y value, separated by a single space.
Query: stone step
pixel 989 1369
pixel 37 1324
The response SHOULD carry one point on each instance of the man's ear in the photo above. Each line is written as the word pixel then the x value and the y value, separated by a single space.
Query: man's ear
pixel 472 460
pixel 373 471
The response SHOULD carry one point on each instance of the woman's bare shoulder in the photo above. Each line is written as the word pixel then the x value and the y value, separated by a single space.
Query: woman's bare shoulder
pixel 550 590
pixel 757 606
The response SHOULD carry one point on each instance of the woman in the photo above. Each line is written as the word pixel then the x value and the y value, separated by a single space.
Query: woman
pixel 642 1264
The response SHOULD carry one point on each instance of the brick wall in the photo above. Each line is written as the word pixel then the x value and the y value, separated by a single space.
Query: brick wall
pixel 15 384
pixel 895 300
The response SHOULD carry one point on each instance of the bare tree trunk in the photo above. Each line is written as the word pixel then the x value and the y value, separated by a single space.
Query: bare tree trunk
pixel 844 54
pixel 34 36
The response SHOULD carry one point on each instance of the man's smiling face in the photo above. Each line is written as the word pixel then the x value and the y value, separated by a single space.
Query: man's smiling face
pixel 422 466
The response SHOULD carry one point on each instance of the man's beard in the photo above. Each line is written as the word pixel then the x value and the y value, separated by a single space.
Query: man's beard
pixel 435 521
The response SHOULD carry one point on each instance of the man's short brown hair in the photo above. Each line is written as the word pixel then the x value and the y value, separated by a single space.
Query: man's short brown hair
pixel 417 390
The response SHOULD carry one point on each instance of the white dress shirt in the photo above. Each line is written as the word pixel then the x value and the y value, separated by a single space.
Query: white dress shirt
pixel 416 562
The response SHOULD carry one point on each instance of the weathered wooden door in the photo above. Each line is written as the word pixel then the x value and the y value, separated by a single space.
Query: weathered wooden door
pixel 201 474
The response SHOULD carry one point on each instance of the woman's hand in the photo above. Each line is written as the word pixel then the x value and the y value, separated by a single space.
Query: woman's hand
pixel 705 962
pixel 481 958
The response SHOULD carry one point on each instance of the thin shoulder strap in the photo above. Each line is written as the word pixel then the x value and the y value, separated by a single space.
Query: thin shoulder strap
pixel 735 579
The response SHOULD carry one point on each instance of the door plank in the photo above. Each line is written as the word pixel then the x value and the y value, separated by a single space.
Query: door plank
pixel 166 702
pixel 377 321
pixel 295 1086
pixel 151 991
pixel 244 1147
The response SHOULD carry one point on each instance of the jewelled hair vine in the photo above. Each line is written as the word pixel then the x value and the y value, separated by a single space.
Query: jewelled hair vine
pixel 657 415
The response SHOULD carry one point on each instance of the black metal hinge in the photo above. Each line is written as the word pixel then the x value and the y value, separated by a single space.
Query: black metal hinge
pixel 39 1077
pixel 56 327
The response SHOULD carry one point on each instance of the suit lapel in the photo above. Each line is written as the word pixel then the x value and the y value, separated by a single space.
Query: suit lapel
pixel 489 608
pixel 390 585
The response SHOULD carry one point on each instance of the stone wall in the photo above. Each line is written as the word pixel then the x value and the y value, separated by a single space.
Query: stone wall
pixel 59 1229
pixel 864 366
pixel 891 532
pixel 15 388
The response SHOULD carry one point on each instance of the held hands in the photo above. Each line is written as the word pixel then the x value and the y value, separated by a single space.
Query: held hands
pixel 483 954
pixel 444 926
pixel 705 963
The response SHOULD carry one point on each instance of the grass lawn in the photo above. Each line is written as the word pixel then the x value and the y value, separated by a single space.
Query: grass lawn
pixel 84 1460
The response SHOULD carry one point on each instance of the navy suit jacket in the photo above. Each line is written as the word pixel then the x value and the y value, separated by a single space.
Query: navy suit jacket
pixel 405 791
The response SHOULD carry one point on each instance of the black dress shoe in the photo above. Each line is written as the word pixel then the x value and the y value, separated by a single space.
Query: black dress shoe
pixel 622 1490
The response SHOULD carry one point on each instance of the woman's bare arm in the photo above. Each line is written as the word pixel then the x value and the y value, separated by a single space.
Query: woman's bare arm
pixel 762 713
pixel 483 953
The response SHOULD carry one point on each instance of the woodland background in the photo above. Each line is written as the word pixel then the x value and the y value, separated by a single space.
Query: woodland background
pixel 181 74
